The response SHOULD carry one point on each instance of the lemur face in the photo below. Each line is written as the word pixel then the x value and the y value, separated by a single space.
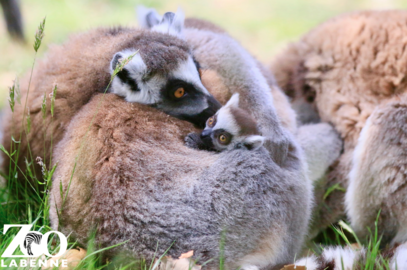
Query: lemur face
pixel 164 73
pixel 230 128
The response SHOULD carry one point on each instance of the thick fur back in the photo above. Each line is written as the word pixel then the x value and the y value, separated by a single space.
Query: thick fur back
pixel 146 186
pixel 80 69
pixel 135 180
pixel 346 66
pixel 341 71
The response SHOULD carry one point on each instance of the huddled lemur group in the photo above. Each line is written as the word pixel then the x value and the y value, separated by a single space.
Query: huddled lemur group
pixel 245 180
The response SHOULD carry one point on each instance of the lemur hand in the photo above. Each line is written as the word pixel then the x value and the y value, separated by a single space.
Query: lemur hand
pixel 193 140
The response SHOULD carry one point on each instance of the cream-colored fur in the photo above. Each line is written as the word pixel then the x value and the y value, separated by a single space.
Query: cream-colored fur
pixel 345 71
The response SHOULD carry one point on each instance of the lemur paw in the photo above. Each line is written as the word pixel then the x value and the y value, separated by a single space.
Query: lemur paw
pixel 193 140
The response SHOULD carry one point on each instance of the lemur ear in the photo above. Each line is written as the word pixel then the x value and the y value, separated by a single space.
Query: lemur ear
pixel 147 17
pixel 254 142
pixel 171 23
pixel 115 60
pixel 233 101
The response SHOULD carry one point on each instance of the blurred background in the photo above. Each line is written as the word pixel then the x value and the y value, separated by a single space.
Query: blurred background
pixel 264 27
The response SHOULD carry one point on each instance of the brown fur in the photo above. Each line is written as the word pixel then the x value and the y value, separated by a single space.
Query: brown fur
pixel 80 68
pixel 245 121
pixel 114 140
pixel 343 69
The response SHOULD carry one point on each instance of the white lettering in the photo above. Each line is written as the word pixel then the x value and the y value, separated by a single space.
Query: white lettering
pixel 63 244
pixel 53 263
pixel 23 263
pixel 19 238
pixel 42 263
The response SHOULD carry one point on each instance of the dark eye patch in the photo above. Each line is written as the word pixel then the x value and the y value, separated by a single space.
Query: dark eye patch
pixel 211 122
pixel 219 134
pixel 124 76
pixel 172 85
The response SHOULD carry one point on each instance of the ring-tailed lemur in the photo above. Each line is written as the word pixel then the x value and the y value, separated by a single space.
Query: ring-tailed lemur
pixel 165 77
pixel 230 128
pixel 261 200
pixel 162 74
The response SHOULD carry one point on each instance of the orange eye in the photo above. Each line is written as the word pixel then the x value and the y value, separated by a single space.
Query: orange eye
pixel 224 138
pixel 179 93
pixel 211 121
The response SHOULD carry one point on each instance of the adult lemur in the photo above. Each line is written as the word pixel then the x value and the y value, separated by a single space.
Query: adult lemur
pixel 136 181
pixel 162 74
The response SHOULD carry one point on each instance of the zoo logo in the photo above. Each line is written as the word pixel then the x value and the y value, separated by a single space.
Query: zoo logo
pixel 32 244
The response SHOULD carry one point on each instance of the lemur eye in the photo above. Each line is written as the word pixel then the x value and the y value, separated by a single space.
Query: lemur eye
pixel 224 138
pixel 179 93
pixel 211 122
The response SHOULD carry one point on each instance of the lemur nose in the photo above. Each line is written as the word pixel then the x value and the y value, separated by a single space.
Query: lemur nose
pixel 206 133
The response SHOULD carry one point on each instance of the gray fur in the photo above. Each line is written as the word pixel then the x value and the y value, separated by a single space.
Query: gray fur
pixel 147 17
pixel 159 65
pixel 166 192
pixel 377 180
pixel 322 145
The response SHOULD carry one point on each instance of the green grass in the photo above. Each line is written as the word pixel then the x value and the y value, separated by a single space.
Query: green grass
pixel 17 206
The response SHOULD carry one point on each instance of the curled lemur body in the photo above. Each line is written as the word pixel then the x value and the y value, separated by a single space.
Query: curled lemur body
pixel 162 74
pixel 260 199
pixel 340 73
pixel 130 197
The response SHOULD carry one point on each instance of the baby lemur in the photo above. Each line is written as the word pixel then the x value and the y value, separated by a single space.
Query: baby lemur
pixel 230 128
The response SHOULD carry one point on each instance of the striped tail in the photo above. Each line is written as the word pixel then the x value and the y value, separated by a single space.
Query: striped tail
pixel 340 258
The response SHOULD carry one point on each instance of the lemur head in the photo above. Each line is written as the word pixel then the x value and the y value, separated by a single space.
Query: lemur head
pixel 232 127
pixel 163 73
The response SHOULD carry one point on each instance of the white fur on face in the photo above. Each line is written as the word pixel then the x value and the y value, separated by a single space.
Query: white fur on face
pixel 226 121
pixel 187 72
pixel 150 89
pixel 149 92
